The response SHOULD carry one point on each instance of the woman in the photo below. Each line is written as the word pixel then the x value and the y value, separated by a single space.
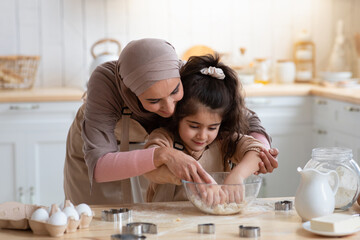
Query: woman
pixel 140 89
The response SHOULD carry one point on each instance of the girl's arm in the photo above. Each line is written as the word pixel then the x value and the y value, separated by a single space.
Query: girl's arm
pixel 247 166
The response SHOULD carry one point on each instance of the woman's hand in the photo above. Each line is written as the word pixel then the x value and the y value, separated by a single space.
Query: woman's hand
pixel 268 160
pixel 181 165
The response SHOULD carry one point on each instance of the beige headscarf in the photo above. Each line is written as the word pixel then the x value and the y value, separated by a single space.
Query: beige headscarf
pixel 141 64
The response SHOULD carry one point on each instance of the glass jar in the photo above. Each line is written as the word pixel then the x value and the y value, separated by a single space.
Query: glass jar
pixel 262 71
pixel 340 160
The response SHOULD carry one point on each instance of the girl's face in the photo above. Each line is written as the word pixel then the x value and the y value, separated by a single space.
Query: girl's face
pixel 162 97
pixel 199 130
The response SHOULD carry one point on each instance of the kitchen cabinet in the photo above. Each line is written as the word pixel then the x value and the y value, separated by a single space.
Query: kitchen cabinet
pixel 288 120
pixel 32 146
pixel 336 123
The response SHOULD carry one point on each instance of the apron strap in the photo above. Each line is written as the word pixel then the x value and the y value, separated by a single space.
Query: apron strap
pixel 124 146
pixel 125 126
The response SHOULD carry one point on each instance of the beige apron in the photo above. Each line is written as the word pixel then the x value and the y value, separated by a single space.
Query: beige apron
pixel 76 180
pixel 139 184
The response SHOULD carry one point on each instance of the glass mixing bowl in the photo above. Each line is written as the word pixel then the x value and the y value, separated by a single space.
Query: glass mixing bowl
pixel 223 199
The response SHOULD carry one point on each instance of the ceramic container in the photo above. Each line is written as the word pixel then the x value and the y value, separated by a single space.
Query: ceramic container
pixel 314 196
pixel 285 71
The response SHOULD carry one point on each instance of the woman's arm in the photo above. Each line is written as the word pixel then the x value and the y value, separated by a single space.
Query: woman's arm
pixel 162 175
pixel 181 165
pixel 269 155
pixel 116 166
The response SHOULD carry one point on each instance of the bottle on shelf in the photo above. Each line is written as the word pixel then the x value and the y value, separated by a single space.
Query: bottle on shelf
pixel 341 55
pixel 262 70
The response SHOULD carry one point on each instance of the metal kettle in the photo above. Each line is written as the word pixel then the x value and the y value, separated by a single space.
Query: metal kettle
pixel 104 56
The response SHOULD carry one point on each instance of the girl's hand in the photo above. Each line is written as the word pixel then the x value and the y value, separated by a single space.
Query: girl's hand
pixel 269 161
pixel 214 196
pixel 234 193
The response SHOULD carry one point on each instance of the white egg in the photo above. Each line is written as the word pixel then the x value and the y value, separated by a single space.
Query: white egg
pixel 61 206
pixel 71 212
pixel 83 209
pixel 58 218
pixel 40 214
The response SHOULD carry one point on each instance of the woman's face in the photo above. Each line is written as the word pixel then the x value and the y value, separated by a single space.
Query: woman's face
pixel 162 97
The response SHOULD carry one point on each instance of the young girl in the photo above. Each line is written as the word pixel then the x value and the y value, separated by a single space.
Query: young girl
pixel 208 124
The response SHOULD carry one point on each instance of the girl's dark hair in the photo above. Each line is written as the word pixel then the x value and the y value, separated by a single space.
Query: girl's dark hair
pixel 222 96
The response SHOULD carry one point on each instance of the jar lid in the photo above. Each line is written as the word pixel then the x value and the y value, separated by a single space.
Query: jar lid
pixel 333 152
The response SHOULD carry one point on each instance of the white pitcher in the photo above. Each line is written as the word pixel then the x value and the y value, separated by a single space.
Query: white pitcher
pixel 314 196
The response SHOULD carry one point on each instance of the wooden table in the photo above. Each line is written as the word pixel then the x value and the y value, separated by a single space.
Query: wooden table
pixel 179 220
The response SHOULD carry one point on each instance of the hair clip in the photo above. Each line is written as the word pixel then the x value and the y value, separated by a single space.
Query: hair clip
pixel 214 72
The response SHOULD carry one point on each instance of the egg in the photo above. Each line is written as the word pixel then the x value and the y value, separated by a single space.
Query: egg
pixel 66 204
pixel 71 213
pixel 40 215
pixel 59 218
pixel 83 209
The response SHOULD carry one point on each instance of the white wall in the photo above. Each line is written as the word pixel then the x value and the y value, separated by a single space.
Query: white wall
pixel 63 31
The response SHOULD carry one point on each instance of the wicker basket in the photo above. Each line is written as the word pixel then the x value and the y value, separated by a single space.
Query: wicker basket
pixel 18 71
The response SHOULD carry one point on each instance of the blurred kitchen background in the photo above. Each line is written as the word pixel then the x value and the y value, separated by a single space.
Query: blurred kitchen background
pixel 62 32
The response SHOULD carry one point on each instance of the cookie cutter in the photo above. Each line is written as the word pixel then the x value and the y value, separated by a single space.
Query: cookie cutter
pixel 249 231
pixel 283 205
pixel 139 228
pixel 126 237
pixel 114 215
pixel 208 228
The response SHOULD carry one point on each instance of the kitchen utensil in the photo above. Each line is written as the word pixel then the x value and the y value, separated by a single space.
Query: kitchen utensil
pixel 340 160
pixel 114 215
pixel 249 190
pixel 314 196
pixel 208 228
pixel 105 55
pixel 126 237
pixel 140 227
pixel 283 205
pixel 249 231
